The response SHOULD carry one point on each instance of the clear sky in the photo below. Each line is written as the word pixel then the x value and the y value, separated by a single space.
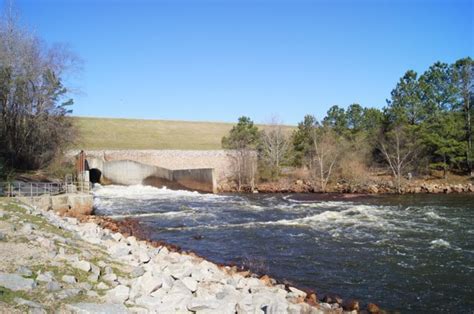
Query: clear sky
pixel 218 60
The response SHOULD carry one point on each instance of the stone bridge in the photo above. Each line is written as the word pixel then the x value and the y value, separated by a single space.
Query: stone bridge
pixel 205 171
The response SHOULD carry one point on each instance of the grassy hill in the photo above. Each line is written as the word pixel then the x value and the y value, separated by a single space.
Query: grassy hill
pixel 107 133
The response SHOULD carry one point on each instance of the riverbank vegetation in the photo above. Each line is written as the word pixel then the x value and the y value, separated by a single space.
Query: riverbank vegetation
pixel 34 101
pixel 426 128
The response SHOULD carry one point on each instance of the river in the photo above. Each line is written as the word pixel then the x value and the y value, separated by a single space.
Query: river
pixel 411 253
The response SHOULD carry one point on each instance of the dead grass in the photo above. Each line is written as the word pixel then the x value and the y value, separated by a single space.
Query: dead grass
pixel 108 133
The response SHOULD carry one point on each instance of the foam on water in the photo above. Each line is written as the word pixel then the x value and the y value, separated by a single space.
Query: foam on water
pixel 433 215
pixel 148 192
pixel 440 243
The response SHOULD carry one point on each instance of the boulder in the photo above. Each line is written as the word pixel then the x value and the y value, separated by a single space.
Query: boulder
pixel 266 280
pixel 118 294
pixel 198 304
pixel 148 301
pixel 16 282
pixel 30 304
pixel 148 283
pixel 373 308
pixel 331 298
pixel 350 305
pixel 45 277
pixel 82 265
pixel 180 270
pixel 297 292
pixel 174 302
pixel 117 236
pixel 93 308
pixel 137 272
pixel 190 283
pixel 119 250
pixel 27 228
pixel 276 306
pixel 24 271
pixel 53 286
pixel 109 277
pixel 102 286
pixel 68 293
pixel 69 279
pixel 94 277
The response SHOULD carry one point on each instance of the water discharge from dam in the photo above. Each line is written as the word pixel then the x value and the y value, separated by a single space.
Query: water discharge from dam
pixel 412 253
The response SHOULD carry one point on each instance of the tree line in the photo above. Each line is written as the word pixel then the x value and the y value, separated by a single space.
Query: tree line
pixel 34 103
pixel 426 126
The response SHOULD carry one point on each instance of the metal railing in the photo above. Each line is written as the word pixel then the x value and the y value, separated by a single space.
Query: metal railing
pixel 34 189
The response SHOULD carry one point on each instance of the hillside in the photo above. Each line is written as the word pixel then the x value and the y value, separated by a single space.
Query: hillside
pixel 108 133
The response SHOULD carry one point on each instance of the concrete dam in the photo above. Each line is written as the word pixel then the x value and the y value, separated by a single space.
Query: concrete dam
pixel 204 171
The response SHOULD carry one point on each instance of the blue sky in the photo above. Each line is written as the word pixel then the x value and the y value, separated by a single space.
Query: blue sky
pixel 218 60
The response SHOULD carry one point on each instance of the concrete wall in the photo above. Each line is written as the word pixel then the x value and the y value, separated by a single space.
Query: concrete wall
pixel 219 160
pixel 129 172
pixel 196 179
pixel 72 204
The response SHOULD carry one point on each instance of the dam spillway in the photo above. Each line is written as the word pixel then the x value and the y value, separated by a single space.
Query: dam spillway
pixel 141 167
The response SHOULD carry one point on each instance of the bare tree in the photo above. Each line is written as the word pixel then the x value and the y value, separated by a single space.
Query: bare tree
pixel 399 149
pixel 325 155
pixel 244 167
pixel 242 141
pixel 274 146
pixel 34 126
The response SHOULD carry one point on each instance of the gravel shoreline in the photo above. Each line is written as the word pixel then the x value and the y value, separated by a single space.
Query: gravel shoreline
pixel 121 274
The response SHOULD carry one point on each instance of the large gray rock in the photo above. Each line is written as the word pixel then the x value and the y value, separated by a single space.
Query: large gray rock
pixel 190 283
pixel 180 270
pixel 199 304
pixel 94 277
pixel 68 293
pixel 149 283
pixel 45 277
pixel 102 286
pixel 24 271
pixel 69 279
pixel 174 302
pixel 119 250
pixel 82 265
pixel 109 277
pixel 16 282
pixel 28 303
pixel 92 308
pixel 148 301
pixel 137 272
pixel 27 228
pixel 53 286
pixel 118 294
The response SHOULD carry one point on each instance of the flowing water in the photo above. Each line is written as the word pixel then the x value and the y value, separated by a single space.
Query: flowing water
pixel 406 253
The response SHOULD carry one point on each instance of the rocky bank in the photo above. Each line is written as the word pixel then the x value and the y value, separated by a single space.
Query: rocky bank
pixel 54 264
pixel 415 187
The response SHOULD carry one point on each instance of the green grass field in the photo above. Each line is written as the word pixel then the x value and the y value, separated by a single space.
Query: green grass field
pixel 109 133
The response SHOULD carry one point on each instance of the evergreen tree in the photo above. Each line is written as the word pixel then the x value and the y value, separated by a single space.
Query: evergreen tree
pixel 405 106
pixel 336 118
pixel 463 77
pixel 244 135
pixel 301 139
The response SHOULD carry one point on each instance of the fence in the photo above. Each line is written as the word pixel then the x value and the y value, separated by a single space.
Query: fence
pixel 33 189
